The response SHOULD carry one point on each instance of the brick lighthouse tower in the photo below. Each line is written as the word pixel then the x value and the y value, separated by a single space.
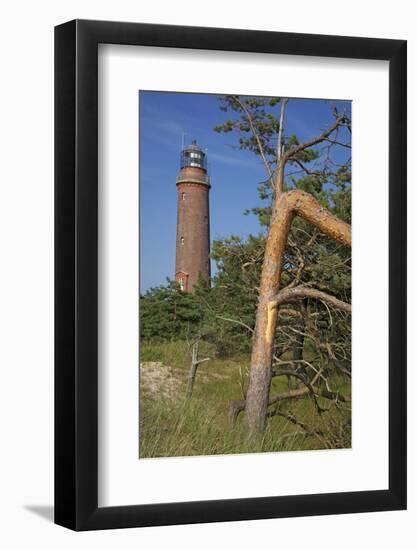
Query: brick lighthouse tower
pixel 193 223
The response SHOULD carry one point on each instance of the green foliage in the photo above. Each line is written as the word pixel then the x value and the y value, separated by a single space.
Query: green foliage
pixel 311 258
pixel 231 300
pixel 222 313
pixel 261 117
pixel 168 314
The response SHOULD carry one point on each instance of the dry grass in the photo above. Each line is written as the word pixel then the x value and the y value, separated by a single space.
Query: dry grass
pixel 172 426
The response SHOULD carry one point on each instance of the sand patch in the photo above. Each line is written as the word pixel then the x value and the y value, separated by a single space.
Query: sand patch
pixel 159 379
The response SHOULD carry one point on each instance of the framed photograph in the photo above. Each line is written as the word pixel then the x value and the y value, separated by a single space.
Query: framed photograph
pixel 230 255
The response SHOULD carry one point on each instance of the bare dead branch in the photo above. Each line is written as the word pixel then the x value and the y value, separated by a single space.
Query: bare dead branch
pixel 284 102
pixel 237 321
pixel 307 170
pixel 195 362
pixel 315 140
pixel 280 167
pixel 256 136
pixel 290 294
pixel 335 142
pixel 239 405
pixel 308 431
pixel 306 384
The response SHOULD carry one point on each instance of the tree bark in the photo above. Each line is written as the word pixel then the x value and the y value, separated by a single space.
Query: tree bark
pixel 286 206
pixel 193 370
pixel 279 180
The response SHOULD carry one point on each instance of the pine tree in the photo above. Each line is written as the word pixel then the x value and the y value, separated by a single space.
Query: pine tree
pixel 310 258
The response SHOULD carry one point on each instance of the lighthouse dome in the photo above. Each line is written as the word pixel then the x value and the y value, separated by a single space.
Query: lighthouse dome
pixel 194 156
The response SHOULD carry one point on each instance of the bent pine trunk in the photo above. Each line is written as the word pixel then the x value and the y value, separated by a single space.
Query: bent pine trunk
pixel 287 205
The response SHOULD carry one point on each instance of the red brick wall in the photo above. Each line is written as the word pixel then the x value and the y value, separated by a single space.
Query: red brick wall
pixel 193 232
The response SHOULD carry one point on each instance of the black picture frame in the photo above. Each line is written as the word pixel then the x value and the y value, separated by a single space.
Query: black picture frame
pixel 76 272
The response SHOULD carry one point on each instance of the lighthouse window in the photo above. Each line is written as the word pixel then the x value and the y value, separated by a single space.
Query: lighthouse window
pixel 193 158
pixel 183 196
pixel 181 281
pixel 182 240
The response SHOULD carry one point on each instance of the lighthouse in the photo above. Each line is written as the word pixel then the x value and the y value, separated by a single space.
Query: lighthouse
pixel 193 222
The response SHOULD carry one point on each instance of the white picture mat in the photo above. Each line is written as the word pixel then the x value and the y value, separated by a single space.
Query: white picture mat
pixel 123 478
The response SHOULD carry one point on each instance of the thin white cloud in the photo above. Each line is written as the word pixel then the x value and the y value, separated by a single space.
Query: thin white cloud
pixel 234 160
pixel 168 126
pixel 297 125
pixel 169 132
pixel 166 133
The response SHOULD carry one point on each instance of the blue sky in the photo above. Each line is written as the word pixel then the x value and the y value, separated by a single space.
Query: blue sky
pixel 235 174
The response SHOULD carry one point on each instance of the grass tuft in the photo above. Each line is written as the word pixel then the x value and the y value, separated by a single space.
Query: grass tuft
pixel 172 426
